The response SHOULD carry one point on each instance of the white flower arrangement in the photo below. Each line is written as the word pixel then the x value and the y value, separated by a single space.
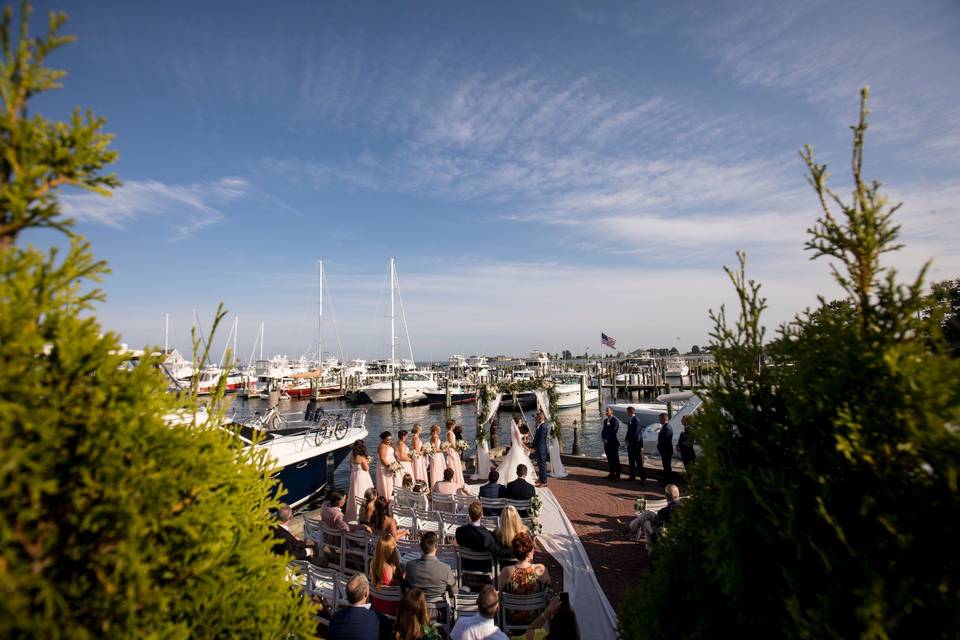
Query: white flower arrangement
pixel 415 455
pixel 462 446
pixel 396 468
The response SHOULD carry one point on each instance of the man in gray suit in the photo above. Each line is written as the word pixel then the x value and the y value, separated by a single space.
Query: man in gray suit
pixel 427 572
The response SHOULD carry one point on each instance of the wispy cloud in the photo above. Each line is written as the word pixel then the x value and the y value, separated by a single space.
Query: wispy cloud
pixel 187 208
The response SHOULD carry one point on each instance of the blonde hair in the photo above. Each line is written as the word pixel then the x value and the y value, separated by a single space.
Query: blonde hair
pixel 435 429
pixel 416 429
pixel 509 526
pixel 386 553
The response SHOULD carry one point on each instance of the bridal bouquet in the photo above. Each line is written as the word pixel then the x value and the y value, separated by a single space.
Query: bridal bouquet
pixel 427 449
pixel 396 468
pixel 462 446
pixel 415 455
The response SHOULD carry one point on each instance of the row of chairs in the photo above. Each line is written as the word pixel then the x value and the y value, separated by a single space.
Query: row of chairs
pixel 454 503
pixel 352 552
pixel 329 585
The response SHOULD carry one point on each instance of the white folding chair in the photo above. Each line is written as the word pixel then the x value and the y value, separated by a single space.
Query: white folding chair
pixel 355 555
pixel 511 604
pixel 482 566
pixel 444 503
pixel 451 521
pixel 406 518
pixel 465 604
pixel 522 506
pixel 492 506
pixel 313 529
pixel 428 521
pixel 386 594
pixel 463 502
pixel 490 523
pixel 331 544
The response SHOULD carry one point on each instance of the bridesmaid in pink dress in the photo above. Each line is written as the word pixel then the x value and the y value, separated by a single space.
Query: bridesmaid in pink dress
pixel 453 454
pixel 403 455
pixel 360 480
pixel 438 461
pixel 420 472
pixel 385 458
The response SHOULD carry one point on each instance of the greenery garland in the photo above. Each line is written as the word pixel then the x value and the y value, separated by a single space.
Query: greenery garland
pixel 486 391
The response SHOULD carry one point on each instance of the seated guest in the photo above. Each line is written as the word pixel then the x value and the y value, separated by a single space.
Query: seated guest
pixel 406 498
pixel 492 489
pixel 562 619
pixel 385 571
pixel 288 543
pixel 331 514
pixel 475 537
pixel 509 526
pixel 356 622
pixel 447 487
pixel 407 482
pixel 650 524
pixel 383 522
pixel 413 619
pixel 520 489
pixel 523 578
pixel 481 626
pixel 366 511
pixel 428 573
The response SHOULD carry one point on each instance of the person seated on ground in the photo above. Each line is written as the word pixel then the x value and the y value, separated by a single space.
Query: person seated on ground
pixel 413 619
pixel 447 487
pixel 475 537
pixel 366 511
pixel 385 571
pixel 509 526
pixel 331 514
pixel 483 625
pixel 428 573
pixel 290 544
pixel 382 522
pixel 562 619
pixel 650 523
pixel 493 489
pixel 356 622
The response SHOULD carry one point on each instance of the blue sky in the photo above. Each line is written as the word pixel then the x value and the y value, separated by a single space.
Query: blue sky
pixel 541 171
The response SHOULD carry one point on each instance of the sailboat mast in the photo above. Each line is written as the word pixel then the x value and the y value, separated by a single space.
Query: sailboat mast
pixel 261 339
pixel 320 321
pixel 393 317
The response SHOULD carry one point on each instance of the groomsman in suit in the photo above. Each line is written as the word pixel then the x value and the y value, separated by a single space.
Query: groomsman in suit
pixel 540 447
pixel 611 446
pixel 634 446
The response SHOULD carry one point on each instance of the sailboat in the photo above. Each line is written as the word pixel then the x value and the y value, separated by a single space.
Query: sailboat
pixel 409 385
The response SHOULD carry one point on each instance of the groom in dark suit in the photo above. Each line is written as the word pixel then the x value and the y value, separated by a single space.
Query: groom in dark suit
pixel 540 447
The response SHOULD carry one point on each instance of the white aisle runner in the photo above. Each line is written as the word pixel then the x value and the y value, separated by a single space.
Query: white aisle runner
pixel 595 615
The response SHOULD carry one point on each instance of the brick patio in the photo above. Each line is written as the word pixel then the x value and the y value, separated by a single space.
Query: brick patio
pixel 593 504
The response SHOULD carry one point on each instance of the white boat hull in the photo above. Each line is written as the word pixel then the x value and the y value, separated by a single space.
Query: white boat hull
pixel 381 393
pixel 567 398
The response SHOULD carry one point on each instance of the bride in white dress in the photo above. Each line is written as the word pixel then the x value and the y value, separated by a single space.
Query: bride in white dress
pixel 519 454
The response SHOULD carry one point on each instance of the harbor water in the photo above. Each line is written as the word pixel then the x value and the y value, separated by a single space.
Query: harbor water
pixel 383 417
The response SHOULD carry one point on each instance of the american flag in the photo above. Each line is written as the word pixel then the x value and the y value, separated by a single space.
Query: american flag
pixel 607 340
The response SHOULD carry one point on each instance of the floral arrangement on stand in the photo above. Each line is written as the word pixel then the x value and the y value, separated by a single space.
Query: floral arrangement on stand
pixel 487 390
pixel 535 505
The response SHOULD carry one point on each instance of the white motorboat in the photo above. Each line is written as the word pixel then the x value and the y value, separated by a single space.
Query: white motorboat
pixel 567 386
pixel 648 413
pixel 676 367
pixel 409 387
pixel 691 404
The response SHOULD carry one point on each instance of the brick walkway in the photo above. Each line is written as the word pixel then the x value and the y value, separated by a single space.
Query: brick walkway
pixel 593 504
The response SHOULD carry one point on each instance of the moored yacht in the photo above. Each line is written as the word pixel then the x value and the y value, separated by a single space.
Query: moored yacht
pixel 567 387
pixel 408 387
pixel 676 367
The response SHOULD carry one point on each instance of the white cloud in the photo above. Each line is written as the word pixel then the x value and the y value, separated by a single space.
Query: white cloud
pixel 188 208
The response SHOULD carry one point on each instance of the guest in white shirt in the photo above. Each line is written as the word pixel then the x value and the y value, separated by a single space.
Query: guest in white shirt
pixel 482 625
